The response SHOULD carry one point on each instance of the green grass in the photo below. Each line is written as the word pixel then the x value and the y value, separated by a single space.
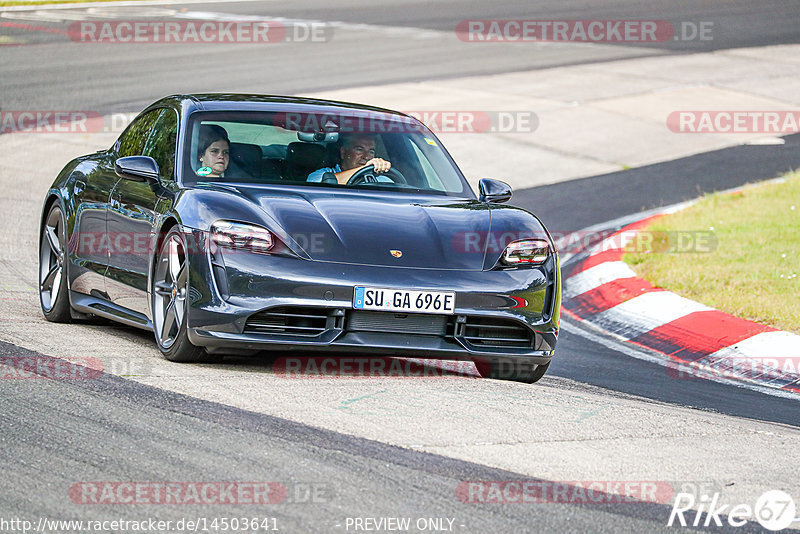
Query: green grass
pixel 754 270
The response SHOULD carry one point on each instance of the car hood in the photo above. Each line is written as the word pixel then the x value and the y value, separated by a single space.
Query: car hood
pixel 388 229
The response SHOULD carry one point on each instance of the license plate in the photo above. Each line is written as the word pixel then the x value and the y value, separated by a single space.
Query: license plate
pixel 405 300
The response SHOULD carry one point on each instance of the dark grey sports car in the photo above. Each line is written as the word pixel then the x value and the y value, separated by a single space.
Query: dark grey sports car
pixel 240 223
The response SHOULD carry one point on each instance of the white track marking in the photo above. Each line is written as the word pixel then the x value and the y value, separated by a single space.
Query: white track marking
pixel 774 354
pixel 646 312
pixel 596 276
pixel 774 344
pixel 658 358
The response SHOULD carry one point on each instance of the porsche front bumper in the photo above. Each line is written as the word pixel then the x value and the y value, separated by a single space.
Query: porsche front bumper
pixel 250 301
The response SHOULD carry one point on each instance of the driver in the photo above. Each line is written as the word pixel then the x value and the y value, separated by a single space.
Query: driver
pixel 356 152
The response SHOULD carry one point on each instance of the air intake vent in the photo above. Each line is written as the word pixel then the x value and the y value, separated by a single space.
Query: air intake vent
pixel 401 323
pixel 295 321
pixel 499 333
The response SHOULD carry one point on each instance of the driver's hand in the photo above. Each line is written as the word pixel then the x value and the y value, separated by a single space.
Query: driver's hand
pixel 381 165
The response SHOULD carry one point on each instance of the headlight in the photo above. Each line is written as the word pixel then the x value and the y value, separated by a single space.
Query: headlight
pixel 526 252
pixel 234 235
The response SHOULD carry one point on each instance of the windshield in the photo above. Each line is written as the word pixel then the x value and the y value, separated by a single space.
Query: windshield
pixel 320 150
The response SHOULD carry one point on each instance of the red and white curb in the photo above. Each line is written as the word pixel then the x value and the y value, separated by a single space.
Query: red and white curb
pixel 696 341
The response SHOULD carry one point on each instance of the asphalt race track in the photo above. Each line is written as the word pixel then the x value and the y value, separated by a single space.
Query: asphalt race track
pixel 126 77
pixel 370 448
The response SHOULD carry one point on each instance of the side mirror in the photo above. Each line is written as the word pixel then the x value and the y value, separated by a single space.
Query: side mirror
pixel 493 191
pixel 138 168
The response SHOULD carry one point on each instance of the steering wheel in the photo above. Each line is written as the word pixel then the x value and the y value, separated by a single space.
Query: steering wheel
pixel 367 175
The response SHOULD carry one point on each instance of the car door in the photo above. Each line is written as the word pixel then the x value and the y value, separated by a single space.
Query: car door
pixel 94 181
pixel 92 194
pixel 132 215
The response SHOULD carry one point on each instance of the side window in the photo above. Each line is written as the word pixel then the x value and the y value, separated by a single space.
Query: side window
pixel 161 144
pixel 132 141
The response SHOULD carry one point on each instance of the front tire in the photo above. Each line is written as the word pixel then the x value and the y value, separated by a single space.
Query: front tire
pixel 170 289
pixel 53 278
pixel 515 371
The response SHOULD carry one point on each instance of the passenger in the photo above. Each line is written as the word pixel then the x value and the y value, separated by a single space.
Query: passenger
pixel 356 151
pixel 213 151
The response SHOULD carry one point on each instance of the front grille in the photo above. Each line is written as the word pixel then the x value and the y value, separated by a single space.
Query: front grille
pixel 400 323
pixel 291 320
pixel 310 322
pixel 493 332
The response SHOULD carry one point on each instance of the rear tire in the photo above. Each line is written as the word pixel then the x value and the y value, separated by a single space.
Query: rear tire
pixel 170 290
pixel 53 260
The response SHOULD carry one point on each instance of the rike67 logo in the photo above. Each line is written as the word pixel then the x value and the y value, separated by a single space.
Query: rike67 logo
pixel 774 510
